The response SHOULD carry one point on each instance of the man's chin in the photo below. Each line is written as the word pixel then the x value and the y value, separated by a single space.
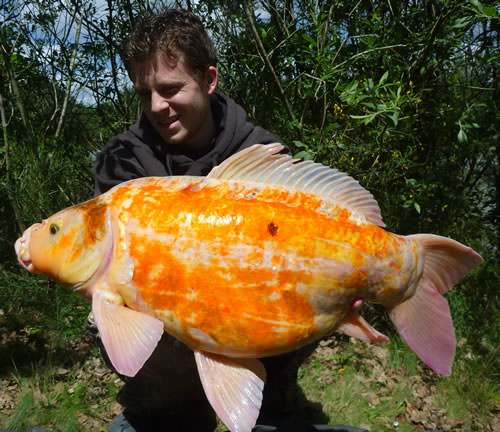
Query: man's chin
pixel 174 139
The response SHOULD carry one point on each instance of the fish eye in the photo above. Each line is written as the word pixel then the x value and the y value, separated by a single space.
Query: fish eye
pixel 54 228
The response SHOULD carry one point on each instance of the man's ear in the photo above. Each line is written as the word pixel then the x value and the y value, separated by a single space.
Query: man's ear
pixel 212 77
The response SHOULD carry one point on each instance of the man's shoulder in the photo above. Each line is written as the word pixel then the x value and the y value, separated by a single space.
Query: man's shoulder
pixel 122 140
pixel 138 138
pixel 236 132
pixel 230 110
pixel 115 144
pixel 125 156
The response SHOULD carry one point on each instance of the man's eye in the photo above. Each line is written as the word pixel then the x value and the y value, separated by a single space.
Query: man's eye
pixel 169 91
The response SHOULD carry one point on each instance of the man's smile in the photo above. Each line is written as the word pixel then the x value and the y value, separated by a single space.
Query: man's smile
pixel 169 121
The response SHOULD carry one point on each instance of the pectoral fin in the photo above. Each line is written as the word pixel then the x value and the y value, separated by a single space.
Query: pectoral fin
pixel 355 326
pixel 128 336
pixel 233 388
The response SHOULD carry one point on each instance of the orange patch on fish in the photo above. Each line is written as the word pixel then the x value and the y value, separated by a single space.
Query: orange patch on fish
pixel 94 221
pixel 66 240
pixel 254 302
pixel 258 309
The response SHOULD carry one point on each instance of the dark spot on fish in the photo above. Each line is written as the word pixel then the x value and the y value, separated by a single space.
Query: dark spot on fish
pixel 272 228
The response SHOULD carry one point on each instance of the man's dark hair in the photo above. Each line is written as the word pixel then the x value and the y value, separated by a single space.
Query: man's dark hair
pixel 172 32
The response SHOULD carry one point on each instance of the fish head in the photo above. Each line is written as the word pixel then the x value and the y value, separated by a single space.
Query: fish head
pixel 70 246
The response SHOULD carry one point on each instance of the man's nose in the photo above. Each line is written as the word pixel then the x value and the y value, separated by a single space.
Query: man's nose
pixel 158 102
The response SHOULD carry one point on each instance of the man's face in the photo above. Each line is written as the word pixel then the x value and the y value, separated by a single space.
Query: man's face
pixel 175 101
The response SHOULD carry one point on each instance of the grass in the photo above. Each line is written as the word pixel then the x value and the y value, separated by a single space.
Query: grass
pixel 62 400
pixel 44 353
pixel 379 388
pixel 472 388
pixel 387 389
pixel 47 404
pixel 351 394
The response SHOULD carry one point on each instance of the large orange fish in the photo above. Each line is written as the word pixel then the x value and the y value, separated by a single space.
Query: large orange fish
pixel 262 256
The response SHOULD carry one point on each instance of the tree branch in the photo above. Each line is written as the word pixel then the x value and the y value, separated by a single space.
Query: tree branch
pixel 112 59
pixel 10 194
pixel 265 59
pixel 367 52
pixel 69 78
pixel 13 83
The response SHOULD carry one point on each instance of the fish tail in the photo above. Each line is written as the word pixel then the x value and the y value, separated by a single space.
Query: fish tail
pixel 424 321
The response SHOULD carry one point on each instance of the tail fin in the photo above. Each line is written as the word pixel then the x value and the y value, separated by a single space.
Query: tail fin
pixel 424 321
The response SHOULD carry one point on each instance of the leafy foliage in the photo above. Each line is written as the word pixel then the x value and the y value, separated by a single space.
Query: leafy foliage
pixel 402 95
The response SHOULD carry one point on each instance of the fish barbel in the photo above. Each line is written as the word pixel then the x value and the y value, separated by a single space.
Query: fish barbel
pixel 261 257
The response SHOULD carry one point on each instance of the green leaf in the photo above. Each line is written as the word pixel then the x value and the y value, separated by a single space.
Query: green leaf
pixel 365 119
pixel 490 11
pixel 417 207
pixel 383 79
pixel 299 144
pixel 462 136
pixel 461 22
pixel 395 117
pixel 487 10
pixel 309 39
pixel 304 154
pixel 15 59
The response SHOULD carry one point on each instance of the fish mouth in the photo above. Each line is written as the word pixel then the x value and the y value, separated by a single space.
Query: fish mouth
pixel 23 253
pixel 22 248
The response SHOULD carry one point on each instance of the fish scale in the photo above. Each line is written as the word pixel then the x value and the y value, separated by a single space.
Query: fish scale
pixel 259 242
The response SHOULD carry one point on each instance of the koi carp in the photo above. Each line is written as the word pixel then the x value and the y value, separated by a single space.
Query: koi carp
pixel 264 255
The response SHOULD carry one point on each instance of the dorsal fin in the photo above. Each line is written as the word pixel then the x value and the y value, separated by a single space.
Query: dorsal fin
pixel 264 164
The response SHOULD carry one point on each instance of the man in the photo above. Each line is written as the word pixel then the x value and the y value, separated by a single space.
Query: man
pixel 186 128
